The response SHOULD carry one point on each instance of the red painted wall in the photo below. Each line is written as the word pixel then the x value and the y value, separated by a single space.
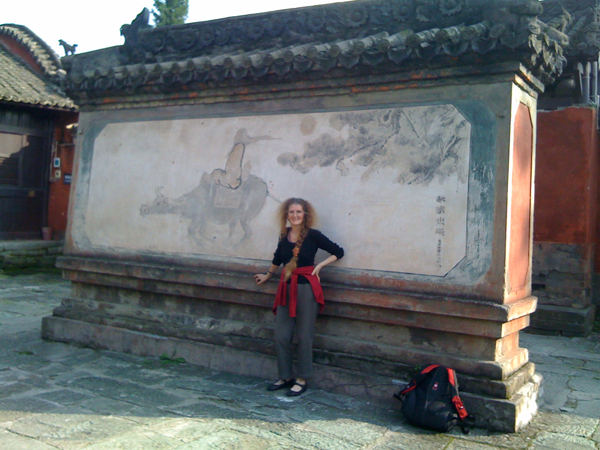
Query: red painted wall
pixel 58 196
pixel 566 177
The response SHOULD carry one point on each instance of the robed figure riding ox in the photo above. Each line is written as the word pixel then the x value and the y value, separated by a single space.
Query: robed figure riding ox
pixel 225 197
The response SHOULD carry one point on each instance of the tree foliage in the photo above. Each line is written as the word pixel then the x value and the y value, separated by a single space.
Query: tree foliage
pixel 170 12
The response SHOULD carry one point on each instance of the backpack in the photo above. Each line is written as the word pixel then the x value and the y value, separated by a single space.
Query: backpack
pixel 431 400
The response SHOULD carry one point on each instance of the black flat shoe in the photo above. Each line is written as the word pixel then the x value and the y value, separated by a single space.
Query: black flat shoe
pixel 277 385
pixel 303 389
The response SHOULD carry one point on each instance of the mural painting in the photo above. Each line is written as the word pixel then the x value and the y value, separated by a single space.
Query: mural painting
pixel 391 184
pixel 229 196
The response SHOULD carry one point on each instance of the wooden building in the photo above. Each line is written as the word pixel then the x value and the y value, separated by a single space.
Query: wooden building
pixel 36 145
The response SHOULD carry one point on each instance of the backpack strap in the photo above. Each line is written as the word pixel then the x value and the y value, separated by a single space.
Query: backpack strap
pixel 429 369
pixel 413 384
pixel 458 404
pixel 409 387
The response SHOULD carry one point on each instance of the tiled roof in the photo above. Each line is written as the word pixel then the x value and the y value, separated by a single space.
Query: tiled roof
pixel 39 50
pixel 19 83
pixel 358 37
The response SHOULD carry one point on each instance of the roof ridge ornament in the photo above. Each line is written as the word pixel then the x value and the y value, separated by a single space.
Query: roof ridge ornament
pixel 131 31
pixel 365 36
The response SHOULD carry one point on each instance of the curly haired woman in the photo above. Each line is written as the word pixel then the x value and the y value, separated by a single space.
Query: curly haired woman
pixel 299 294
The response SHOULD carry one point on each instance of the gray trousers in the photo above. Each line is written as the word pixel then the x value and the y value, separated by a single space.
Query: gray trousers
pixel 307 309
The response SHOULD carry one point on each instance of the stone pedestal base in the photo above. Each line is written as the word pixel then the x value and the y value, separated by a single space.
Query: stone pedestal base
pixel 507 415
pixel 365 338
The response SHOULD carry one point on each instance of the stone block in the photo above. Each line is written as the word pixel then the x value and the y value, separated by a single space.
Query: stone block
pixel 56 250
pixel 47 260
pixel 545 299
pixel 596 289
pixel 567 281
pixel 564 258
pixel 19 261
pixel 498 388
pixel 509 415
pixel 562 280
pixel 20 254
pixel 24 246
pixel 566 321
pixel 28 252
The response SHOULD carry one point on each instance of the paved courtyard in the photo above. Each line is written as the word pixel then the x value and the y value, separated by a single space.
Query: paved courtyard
pixel 57 396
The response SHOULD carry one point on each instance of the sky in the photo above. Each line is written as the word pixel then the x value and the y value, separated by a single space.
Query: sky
pixel 96 24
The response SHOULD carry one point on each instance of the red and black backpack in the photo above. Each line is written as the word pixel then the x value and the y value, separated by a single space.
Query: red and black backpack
pixel 431 400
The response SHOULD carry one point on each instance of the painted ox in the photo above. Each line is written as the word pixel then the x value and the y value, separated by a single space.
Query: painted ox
pixel 212 203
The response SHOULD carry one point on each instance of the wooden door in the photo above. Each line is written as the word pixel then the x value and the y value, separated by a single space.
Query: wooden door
pixel 24 170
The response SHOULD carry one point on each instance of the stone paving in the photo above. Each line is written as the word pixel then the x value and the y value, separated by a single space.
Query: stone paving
pixel 57 396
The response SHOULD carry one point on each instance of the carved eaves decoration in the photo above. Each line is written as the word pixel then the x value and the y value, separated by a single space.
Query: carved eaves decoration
pixel 345 39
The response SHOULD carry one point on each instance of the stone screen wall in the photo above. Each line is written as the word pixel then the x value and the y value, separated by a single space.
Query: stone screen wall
pixel 425 189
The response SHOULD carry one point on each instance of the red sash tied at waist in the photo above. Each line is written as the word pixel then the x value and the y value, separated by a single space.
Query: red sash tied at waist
pixel 306 272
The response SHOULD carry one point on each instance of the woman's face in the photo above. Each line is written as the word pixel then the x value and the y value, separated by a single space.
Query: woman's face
pixel 295 214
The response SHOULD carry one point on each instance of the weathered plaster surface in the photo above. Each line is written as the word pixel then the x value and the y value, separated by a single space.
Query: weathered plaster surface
pixel 377 166
pixel 391 184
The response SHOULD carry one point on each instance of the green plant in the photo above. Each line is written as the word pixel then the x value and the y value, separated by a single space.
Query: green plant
pixel 171 359
pixel 170 12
